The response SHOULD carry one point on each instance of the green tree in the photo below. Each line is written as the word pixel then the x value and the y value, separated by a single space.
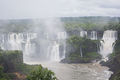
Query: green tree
pixel 41 74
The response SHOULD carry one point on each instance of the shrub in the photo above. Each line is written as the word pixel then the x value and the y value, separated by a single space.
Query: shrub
pixel 41 74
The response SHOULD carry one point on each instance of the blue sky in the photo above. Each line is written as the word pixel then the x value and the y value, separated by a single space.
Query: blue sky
pixel 18 9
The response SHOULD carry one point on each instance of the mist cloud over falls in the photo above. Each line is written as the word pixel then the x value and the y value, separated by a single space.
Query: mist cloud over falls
pixel 51 34
pixel 47 25
pixel 39 39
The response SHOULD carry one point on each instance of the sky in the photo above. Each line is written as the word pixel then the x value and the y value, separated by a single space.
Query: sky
pixel 19 9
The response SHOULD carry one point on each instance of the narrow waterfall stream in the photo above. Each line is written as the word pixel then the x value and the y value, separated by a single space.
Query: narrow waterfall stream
pixel 83 33
pixel 54 52
pixel 94 35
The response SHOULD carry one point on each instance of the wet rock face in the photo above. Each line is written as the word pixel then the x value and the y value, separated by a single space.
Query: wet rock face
pixel 114 65
pixel 115 76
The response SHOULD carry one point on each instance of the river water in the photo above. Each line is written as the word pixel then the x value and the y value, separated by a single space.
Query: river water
pixel 90 71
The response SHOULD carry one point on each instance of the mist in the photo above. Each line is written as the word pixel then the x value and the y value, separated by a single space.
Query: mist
pixel 48 30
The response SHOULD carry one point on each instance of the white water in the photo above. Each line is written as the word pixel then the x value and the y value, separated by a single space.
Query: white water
pixel 93 35
pixel 91 71
pixel 18 41
pixel 107 43
pixel 83 33
pixel 62 35
pixel 24 42
pixel 53 52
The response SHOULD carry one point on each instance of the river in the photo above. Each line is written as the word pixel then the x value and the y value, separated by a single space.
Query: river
pixel 89 71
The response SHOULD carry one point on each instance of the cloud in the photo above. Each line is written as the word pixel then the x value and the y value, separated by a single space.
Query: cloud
pixel 110 4
pixel 57 8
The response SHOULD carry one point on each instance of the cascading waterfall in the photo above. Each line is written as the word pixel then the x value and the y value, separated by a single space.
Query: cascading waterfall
pixel 83 33
pixel 107 42
pixel 29 46
pixel 53 50
pixel 93 35
pixel 2 41
pixel 18 41
pixel 61 35
pixel 24 42
pixel 55 55
pixel 64 52
pixel 62 39
pixel 37 46
pixel 109 38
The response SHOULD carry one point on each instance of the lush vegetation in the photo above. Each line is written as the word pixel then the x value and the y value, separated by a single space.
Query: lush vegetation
pixel 70 24
pixel 82 49
pixel 89 23
pixel 13 68
pixel 10 59
pixel 3 76
pixel 41 74
pixel 9 63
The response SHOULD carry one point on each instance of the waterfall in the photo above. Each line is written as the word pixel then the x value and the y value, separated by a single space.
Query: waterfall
pixel 61 35
pixel 55 52
pixel 64 52
pixel 18 41
pixel 29 46
pixel 15 41
pixel 53 49
pixel 2 41
pixel 109 38
pixel 107 42
pixel 27 43
pixel 93 35
pixel 83 33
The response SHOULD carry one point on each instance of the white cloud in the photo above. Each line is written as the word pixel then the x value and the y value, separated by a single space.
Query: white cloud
pixel 58 8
